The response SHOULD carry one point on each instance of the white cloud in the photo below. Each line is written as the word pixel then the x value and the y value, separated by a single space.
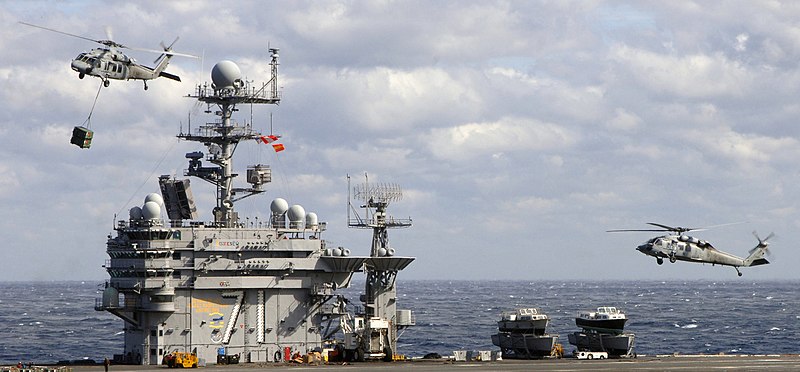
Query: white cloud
pixel 624 120
pixel 460 143
pixel 741 42
pixel 749 149
pixel 693 76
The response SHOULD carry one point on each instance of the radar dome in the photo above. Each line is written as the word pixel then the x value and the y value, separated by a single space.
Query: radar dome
pixel 226 74
pixel 296 213
pixel 279 206
pixel 153 197
pixel 151 211
pixel 312 220
pixel 135 213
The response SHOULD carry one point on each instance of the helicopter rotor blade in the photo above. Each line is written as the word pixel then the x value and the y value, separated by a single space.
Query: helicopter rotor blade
pixel 170 52
pixel 681 230
pixel 172 43
pixel 678 229
pixel 109 43
pixel 61 32
pixel 763 243
pixel 724 224
pixel 635 230
pixel 109 33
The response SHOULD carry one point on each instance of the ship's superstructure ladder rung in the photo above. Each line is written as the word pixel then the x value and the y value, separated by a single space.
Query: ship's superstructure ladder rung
pixel 260 317
pixel 234 316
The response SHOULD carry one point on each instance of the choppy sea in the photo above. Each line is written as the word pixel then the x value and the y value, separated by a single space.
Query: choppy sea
pixel 45 322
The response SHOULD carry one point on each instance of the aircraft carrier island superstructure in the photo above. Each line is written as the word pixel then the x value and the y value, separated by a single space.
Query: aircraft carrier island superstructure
pixel 242 288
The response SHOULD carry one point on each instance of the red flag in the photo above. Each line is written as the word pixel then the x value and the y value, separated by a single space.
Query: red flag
pixel 278 147
pixel 267 139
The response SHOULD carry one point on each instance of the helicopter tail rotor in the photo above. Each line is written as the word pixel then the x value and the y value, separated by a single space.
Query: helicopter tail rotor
pixel 756 256
pixel 762 243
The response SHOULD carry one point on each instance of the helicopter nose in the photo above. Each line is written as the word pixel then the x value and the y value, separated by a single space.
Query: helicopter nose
pixel 79 66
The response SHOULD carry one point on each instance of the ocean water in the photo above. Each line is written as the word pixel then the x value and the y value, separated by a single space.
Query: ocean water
pixel 51 321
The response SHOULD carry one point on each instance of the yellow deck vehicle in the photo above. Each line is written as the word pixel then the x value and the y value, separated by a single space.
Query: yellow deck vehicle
pixel 180 359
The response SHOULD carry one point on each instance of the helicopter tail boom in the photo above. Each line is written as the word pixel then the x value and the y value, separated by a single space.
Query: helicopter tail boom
pixel 756 256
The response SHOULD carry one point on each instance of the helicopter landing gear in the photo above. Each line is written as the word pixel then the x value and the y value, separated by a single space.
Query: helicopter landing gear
pixel 659 260
pixel 145 84
pixel 737 271
pixel 81 75
pixel 106 83
pixel 672 258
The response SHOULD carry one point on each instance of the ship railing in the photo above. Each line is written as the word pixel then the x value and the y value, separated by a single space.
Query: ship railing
pixel 128 303
pixel 138 264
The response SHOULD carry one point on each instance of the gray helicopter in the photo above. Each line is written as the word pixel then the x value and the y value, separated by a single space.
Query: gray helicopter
pixel 109 63
pixel 676 246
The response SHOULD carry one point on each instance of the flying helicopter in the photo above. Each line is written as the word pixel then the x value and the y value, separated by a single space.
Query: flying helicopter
pixel 108 62
pixel 676 246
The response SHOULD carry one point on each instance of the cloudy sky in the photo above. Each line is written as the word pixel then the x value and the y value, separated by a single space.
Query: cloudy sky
pixel 519 131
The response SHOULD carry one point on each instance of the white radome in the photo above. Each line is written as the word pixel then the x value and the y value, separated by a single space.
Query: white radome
pixel 226 74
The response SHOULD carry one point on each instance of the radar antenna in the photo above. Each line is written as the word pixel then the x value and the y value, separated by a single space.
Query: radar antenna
pixel 380 293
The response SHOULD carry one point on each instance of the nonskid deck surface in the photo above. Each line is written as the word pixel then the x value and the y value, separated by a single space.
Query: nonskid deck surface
pixel 650 363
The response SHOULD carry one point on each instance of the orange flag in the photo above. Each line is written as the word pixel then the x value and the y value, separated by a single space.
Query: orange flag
pixel 278 147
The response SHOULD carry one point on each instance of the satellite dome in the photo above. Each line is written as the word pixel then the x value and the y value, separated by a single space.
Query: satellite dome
pixel 312 220
pixel 154 198
pixel 279 206
pixel 135 213
pixel 296 213
pixel 151 211
pixel 226 74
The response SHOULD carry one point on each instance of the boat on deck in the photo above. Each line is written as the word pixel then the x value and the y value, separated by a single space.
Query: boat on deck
pixel 522 334
pixel 525 320
pixel 607 319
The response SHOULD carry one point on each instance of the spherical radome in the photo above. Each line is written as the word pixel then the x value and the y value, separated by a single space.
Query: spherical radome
pixel 135 213
pixel 279 206
pixel 153 197
pixel 311 219
pixel 151 211
pixel 225 74
pixel 296 213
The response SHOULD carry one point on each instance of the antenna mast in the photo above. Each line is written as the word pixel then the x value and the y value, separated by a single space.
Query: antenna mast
pixel 222 137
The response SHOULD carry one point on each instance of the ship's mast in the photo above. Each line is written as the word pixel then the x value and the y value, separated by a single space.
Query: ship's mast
pixel 381 268
pixel 222 137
